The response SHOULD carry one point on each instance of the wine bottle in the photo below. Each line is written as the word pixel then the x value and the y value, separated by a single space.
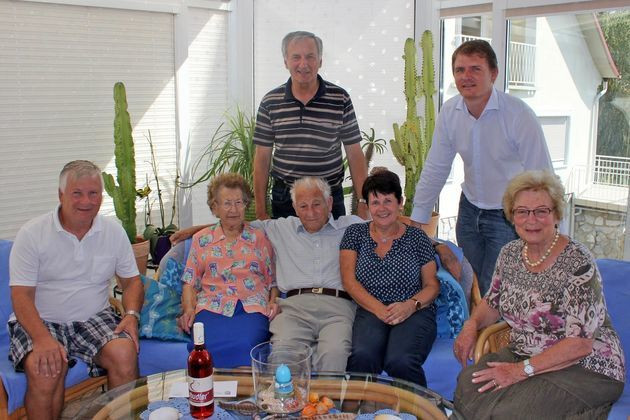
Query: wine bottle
pixel 200 384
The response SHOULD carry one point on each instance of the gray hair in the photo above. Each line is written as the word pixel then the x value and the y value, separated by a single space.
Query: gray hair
pixel 79 169
pixel 292 36
pixel 311 182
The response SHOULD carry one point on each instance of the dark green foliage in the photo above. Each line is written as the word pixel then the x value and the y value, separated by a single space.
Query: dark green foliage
pixel 613 132
pixel 123 194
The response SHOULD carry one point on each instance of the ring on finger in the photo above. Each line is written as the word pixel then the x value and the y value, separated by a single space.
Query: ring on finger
pixel 494 382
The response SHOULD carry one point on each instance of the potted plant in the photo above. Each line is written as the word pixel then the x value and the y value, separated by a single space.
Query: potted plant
pixel 412 139
pixel 370 145
pixel 231 149
pixel 158 236
pixel 124 194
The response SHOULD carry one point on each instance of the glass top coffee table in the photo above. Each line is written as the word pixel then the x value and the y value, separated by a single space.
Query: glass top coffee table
pixel 351 393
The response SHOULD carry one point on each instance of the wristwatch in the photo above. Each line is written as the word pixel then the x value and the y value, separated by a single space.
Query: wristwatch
pixel 133 313
pixel 362 200
pixel 418 304
pixel 528 368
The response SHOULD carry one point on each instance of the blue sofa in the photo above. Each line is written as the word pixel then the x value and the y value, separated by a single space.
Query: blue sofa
pixel 158 356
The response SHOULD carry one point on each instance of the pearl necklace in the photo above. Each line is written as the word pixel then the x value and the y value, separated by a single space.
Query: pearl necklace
pixel 384 239
pixel 545 255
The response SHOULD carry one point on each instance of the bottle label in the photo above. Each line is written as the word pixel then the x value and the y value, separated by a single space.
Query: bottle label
pixel 200 391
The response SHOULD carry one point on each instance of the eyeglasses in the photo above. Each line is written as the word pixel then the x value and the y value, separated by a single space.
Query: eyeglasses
pixel 239 204
pixel 539 213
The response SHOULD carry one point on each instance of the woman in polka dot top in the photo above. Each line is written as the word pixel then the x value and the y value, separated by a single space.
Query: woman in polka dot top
pixel 389 269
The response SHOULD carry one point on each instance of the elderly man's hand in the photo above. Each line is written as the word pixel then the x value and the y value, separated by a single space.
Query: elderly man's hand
pixel 129 324
pixel 465 343
pixel 47 356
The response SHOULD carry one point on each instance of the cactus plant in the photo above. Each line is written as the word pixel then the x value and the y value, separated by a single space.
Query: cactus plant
pixel 412 139
pixel 123 194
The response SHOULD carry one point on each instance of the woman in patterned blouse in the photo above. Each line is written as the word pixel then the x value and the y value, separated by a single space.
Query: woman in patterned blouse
pixel 389 270
pixel 564 358
pixel 229 279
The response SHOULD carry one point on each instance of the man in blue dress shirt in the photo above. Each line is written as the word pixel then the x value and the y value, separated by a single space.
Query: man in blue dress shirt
pixel 497 136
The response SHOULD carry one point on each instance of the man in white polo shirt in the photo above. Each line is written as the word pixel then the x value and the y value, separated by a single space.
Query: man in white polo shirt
pixel 61 265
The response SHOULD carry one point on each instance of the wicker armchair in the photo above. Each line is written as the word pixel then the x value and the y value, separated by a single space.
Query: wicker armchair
pixel 491 339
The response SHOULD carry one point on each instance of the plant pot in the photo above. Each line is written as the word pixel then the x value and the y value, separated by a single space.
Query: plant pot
pixel 162 245
pixel 430 228
pixel 141 252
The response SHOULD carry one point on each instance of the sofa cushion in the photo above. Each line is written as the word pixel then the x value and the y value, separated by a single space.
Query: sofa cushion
pixel 158 317
pixel 441 368
pixel 5 303
pixel 171 274
pixel 161 356
pixel 616 283
pixel 452 309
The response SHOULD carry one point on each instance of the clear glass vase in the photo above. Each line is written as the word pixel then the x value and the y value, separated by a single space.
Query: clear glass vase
pixel 272 363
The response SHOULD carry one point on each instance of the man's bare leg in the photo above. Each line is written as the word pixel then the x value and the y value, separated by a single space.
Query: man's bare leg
pixel 120 359
pixel 44 394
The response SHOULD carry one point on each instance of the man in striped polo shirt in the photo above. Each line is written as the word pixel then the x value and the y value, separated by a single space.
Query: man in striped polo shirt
pixel 306 120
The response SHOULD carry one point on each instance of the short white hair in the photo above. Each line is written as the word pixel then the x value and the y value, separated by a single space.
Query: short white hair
pixel 79 169
pixel 311 182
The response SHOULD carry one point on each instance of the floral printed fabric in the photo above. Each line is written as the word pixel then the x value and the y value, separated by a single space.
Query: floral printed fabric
pixel 223 272
pixel 565 300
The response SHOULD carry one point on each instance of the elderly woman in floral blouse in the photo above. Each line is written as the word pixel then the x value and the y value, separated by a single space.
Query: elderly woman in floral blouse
pixel 564 359
pixel 229 282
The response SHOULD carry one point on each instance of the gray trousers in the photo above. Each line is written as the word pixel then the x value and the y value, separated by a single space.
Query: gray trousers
pixel 320 321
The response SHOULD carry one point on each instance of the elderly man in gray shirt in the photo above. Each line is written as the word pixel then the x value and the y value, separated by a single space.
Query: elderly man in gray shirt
pixel 316 309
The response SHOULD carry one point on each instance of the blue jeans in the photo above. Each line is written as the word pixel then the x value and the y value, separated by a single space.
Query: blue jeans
pixel 282 206
pixel 481 234
pixel 400 350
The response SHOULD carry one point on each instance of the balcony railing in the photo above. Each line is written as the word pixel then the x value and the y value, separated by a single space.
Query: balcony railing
pixel 522 65
pixel 521 62
pixel 612 170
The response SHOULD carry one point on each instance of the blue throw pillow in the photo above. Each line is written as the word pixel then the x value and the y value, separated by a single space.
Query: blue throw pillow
pixel 162 305
pixel 171 275
pixel 452 309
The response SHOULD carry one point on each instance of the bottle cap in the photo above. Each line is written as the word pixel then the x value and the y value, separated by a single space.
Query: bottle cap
pixel 198 333
pixel 283 374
